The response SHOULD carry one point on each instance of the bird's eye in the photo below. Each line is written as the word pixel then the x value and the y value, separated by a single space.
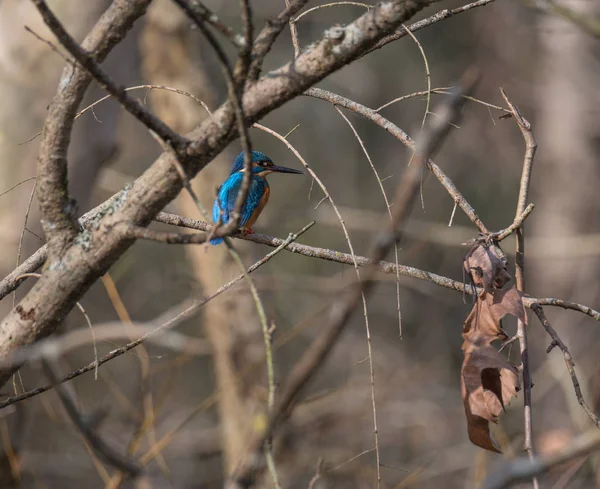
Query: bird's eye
pixel 264 163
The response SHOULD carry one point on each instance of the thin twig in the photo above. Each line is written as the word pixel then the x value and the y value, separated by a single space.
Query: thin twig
pixel 530 147
pixel 556 341
pixel 356 267
pixel 433 19
pixel 517 223
pixel 332 4
pixel 317 476
pixel 17 184
pixel 294 32
pixel 245 55
pixel 442 91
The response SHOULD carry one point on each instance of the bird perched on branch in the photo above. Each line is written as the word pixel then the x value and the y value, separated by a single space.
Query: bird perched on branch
pixel 258 193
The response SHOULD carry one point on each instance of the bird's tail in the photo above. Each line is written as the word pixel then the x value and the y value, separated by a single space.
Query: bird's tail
pixel 216 241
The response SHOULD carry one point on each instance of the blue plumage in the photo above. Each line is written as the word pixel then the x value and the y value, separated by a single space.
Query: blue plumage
pixel 238 163
pixel 258 194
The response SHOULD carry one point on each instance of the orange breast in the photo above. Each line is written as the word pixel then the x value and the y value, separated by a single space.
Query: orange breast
pixel 259 208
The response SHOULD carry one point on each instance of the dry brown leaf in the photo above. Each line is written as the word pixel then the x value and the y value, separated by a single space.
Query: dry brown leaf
pixel 488 380
pixel 486 267
pixel 488 383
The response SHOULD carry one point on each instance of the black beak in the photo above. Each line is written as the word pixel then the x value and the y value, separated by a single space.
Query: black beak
pixel 284 169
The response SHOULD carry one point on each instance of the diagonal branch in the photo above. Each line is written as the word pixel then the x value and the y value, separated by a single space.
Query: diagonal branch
pixel 11 282
pixel 570 364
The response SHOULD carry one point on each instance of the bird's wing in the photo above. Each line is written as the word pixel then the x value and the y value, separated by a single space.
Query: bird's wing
pixel 255 194
pixel 225 201
pixel 227 195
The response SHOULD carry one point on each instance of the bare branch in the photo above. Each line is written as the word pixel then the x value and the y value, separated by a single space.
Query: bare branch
pixel 517 223
pixel 530 147
pixel 245 55
pixel 435 18
pixel 12 281
pixel 235 85
pixel 570 364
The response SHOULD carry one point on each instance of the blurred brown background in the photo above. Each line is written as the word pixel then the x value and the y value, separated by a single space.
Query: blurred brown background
pixel 549 68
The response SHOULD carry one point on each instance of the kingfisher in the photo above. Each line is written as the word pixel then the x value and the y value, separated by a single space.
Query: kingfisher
pixel 258 193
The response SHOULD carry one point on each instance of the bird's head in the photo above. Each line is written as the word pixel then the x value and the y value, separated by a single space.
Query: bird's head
pixel 262 165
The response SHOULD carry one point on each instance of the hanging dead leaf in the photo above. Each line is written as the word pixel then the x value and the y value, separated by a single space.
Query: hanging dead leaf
pixel 488 380
pixel 488 383
pixel 486 267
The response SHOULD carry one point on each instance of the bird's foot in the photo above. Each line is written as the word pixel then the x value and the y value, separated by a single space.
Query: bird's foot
pixel 247 231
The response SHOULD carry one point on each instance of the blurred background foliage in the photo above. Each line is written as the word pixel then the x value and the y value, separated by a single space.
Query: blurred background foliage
pixel 549 68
